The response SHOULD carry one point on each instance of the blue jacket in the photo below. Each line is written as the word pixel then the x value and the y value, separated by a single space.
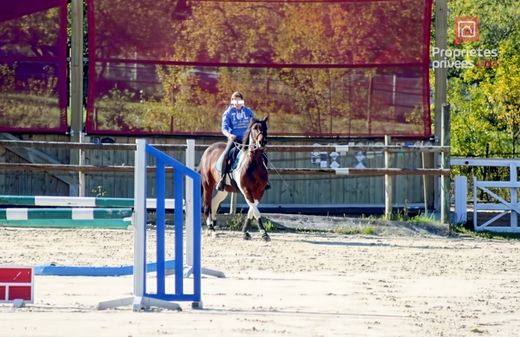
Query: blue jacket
pixel 236 121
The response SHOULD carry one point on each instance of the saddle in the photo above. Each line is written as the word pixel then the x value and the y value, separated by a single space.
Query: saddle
pixel 233 158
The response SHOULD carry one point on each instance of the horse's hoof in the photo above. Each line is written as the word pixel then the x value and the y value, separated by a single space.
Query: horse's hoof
pixel 210 231
pixel 247 236
pixel 266 237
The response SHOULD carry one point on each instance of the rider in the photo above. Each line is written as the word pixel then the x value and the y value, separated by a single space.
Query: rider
pixel 235 122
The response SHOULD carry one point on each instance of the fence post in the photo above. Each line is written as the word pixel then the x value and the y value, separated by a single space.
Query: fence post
pixel 233 203
pixel 513 192
pixel 461 200
pixel 441 84
pixel 445 164
pixel 76 90
pixel 388 181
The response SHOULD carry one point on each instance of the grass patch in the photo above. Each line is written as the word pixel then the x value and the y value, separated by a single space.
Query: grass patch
pixel 236 222
pixel 269 225
pixel 365 230
pixel 423 219
pixel 485 234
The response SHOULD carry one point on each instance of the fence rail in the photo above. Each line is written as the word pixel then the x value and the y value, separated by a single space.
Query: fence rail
pixel 99 164
pixel 277 147
pixel 354 172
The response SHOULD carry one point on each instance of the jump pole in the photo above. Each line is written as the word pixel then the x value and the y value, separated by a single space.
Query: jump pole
pixel 190 163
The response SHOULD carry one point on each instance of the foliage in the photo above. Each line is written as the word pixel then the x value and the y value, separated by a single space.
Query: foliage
pixel 363 230
pixel 30 102
pixel 485 99
pixel 28 84
pixel 236 222
pixel 261 41
pixel 485 234
pixel 423 219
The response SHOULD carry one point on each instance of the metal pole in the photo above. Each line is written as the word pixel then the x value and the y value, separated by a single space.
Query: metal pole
pixel 388 182
pixel 441 78
pixel 233 203
pixel 190 162
pixel 445 164
pixel 140 218
pixel 76 89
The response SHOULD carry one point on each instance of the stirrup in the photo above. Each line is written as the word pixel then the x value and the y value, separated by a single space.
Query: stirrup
pixel 267 186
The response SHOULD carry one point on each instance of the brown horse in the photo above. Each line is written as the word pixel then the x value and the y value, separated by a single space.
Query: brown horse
pixel 250 176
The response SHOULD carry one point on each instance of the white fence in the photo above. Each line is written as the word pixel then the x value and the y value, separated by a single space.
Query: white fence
pixel 499 205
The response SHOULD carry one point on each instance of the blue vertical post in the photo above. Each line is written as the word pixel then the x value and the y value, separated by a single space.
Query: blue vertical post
pixel 160 182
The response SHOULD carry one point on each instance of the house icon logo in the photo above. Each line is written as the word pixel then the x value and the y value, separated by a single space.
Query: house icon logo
pixel 467 29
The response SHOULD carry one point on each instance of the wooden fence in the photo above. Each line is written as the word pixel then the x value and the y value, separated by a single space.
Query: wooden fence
pixel 317 175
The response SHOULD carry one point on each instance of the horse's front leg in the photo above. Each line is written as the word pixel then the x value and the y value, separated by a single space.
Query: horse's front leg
pixel 245 233
pixel 254 213
pixel 265 236
pixel 247 222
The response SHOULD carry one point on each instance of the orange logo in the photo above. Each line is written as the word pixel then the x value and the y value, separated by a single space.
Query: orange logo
pixel 467 29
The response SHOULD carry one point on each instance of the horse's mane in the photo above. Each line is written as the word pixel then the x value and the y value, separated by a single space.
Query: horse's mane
pixel 245 138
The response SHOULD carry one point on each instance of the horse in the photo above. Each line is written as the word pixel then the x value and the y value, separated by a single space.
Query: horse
pixel 250 176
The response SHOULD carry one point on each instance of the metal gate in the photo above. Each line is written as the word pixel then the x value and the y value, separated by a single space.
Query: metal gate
pixel 498 207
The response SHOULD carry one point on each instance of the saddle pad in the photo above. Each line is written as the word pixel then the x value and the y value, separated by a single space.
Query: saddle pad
pixel 234 157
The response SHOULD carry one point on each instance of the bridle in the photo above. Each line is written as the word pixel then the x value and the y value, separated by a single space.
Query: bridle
pixel 256 142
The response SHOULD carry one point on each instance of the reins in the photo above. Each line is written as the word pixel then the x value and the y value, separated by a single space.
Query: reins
pixel 251 147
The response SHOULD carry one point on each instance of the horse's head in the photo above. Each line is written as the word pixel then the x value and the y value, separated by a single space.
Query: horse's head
pixel 256 135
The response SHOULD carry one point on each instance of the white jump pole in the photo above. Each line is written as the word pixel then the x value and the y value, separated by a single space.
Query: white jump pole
pixel 190 162
pixel 139 218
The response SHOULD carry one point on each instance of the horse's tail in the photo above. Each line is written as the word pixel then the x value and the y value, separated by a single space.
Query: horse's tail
pixel 197 169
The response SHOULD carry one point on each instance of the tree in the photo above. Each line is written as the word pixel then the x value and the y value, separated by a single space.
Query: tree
pixel 485 99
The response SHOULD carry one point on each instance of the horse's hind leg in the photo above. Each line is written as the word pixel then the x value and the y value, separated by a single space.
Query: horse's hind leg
pixel 206 194
pixel 215 203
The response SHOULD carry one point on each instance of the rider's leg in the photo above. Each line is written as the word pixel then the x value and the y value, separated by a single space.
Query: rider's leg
pixel 224 167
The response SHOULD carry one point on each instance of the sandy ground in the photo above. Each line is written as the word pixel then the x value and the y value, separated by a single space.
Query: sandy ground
pixel 299 284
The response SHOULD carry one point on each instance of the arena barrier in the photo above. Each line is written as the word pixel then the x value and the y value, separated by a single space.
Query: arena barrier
pixel 491 215
pixel 70 212
pixel 143 298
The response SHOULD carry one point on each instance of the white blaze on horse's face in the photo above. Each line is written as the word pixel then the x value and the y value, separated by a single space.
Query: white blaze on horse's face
pixel 256 137
pixel 254 140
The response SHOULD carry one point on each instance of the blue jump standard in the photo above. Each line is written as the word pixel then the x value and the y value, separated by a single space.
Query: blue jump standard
pixel 52 270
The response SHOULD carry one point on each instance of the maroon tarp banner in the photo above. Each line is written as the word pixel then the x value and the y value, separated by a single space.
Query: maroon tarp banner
pixel 323 68
pixel 33 66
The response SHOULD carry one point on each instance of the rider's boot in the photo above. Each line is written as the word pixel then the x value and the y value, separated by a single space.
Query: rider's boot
pixel 221 183
pixel 223 170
